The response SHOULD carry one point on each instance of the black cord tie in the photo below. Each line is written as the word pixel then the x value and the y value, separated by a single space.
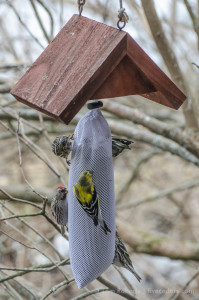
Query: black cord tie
pixel 94 104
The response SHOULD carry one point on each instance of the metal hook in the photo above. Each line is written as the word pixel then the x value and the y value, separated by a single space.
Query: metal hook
pixel 80 6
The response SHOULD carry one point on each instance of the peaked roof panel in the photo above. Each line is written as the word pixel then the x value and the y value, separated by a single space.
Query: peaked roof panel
pixel 90 60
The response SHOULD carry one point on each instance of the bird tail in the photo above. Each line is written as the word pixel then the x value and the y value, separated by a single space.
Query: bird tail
pixel 105 228
pixel 102 223
pixel 132 270
pixel 62 229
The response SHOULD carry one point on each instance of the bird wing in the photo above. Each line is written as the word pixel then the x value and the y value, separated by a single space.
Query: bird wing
pixel 121 142
pixel 122 249
pixel 57 212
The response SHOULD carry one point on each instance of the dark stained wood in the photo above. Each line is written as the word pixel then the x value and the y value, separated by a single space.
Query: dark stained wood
pixel 168 94
pixel 90 60
pixel 126 79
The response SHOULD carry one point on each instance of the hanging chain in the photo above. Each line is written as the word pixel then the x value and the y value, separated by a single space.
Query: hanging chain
pixel 123 17
pixel 80 6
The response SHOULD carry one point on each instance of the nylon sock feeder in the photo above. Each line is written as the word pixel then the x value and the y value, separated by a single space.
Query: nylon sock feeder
pixel 91 250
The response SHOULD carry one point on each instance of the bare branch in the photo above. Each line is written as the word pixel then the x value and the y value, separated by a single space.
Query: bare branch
pixel 153 124
pixel 140 162
pixel 115 289
pixel 159 245
pixel 50 16
pixel 176 296
pixel 58 286
pixel 170 60
pixel 24 25
pixel 194 18
pixel 8 196
pixel 156 196
pixel 156 140
pixel 97 291
pixel 39 21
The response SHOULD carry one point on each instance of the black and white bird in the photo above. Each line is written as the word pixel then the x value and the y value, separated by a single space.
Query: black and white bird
pixel 122 258
pixel 59 207
pixel 119 145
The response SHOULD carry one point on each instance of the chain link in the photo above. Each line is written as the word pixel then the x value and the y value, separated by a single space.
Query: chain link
pixel 80 6
pixel 122 16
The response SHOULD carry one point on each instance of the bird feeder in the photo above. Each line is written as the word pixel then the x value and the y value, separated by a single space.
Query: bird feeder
pixel 89 60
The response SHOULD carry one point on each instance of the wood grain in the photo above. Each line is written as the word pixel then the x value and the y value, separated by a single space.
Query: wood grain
pixel 90 60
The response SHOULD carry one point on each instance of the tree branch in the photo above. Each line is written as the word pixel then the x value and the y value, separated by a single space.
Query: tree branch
pixel 97 291
pixel 136 116
pixel 170 60
pixel 194 19
pixel 150 138
pixel 159 245
pixel 40 21
pixel 161 194
pixel 115 289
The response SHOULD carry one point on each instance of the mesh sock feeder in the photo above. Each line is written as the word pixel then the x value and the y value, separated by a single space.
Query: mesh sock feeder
pixel 91 250
pixel 88 60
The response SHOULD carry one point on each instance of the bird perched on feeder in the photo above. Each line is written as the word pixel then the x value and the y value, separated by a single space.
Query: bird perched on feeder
pixel 62 146
pixel 118 145
pixel 122 258
pixel 59 207
pixel 88 199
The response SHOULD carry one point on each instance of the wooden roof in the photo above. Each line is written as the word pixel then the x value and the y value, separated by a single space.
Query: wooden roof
pixel 90 60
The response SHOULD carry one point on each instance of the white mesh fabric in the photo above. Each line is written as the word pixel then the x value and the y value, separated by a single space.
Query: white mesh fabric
pixel 91 250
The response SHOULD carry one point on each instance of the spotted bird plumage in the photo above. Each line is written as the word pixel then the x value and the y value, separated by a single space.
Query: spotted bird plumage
pixel 122 258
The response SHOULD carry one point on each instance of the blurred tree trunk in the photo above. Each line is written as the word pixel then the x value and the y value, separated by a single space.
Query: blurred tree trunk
pixel 171 62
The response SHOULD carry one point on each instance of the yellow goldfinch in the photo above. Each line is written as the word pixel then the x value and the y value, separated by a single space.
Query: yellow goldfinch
pixel 88 199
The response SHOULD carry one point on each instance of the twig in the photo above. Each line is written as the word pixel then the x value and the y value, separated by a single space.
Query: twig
pixel 195 65
pixel 19 200
pixel 43 238
pixel 39 268
pixel 127 184
pixel 24 25
pixel 127 283
pixel 96 291
pixel 115 289
pixel 21 167
pixel 158 195
pixel 150 138
pixel 20 216
pixel 170 60
pixel 194 19
pixel 39 21
pixel 50 16
pixel 176 296
pixel 30 146
pixel 56 287
pixel 136 116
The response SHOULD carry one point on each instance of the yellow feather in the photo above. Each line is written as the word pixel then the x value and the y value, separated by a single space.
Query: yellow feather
pixel 82 194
